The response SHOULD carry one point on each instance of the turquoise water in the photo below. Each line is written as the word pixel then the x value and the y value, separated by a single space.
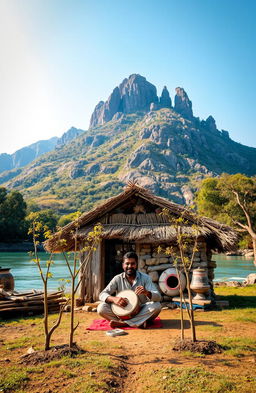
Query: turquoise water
pixel 27 277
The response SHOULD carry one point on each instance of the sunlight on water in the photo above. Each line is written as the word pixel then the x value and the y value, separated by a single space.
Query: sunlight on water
pixel 27 277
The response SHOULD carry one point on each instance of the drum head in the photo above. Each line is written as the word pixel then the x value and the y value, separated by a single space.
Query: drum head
pixel 132 303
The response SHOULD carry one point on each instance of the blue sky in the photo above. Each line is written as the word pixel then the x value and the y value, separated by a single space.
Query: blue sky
pixel 60 57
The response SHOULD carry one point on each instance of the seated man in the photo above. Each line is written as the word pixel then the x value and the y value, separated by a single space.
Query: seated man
pixel 136 281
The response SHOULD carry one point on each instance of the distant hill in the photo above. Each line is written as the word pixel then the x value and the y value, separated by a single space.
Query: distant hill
pixel 134 135
pixel 26 154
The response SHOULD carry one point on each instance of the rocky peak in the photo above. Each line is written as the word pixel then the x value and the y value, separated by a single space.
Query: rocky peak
pixel 183 105
pixel 165 100
pixel 133 94
pixel 211 124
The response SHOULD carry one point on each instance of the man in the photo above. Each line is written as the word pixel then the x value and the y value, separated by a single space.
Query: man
pixel 136 281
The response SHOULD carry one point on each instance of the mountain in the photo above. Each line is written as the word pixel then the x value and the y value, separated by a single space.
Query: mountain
pixel 134 135
pixel 29 153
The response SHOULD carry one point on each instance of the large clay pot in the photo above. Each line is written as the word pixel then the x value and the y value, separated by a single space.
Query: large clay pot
pixel 6 279
pixel 199 283
pixel 169 282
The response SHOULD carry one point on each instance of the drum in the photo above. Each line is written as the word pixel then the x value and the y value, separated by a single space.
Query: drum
pixel 132 308
pixel 169 282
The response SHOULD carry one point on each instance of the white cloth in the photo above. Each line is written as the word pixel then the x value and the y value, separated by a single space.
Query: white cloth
pixel 150 307
pixel 120 283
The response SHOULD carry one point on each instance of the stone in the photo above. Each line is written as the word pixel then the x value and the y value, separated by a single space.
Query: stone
pixel 132 95
pixel 250 279
pixel 165 100
pixel 210 124
pixel 182 103
pixel 67 308
pixel 30 350
pixel 141 263
pixel 154 276
pixel 158 267
pixel 150 261
pixel 87 308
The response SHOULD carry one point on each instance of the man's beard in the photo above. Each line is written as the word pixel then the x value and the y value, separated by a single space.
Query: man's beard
pixel 131 272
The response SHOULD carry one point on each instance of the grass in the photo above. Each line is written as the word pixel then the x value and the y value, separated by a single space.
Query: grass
pixel 13 380
pixel 192 379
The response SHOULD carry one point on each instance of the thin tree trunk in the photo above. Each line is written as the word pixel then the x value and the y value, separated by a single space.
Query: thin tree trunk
pixel 181 309
pixel 46 332
pixel 71 336
pixel 192 321
pixel 254 250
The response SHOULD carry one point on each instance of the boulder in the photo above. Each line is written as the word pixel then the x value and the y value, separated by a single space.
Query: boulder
pixel 250 279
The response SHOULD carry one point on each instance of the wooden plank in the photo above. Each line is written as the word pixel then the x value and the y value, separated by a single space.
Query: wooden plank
pixel 96 273
pixel 199 302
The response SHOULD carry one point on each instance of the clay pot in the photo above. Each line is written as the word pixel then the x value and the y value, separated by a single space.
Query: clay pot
pixel 199 283
pixel 6 279
pixel 169 282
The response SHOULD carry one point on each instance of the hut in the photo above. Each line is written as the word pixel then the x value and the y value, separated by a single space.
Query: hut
pixel 132 222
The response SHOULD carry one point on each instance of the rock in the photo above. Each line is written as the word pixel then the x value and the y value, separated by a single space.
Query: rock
pixel 109 169
pixel 92 169
pixel 250 279
pixel 77 169
pixel 96 118
pixel 67 308
pixel 234 284
pixel 182 103
pixel 210 124
pixel 153 106
pixel 87 308
pixel 132 95
pixel 30 350
pixel 94 309
pixel 141 264
pixel 151 261
pixel 154 276
pixel 98 140
pixel 159 267
pixel 68 136
pixel 249 254
pixel 165 100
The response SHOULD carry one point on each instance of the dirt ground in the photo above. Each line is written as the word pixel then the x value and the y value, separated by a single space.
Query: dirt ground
pixel 142 361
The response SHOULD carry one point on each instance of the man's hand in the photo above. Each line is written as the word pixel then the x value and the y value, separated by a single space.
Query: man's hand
pixel 142 291
pixel 120 301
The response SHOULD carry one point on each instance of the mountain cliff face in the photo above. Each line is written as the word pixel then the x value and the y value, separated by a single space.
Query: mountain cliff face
pixel 29 153
pixel 136 136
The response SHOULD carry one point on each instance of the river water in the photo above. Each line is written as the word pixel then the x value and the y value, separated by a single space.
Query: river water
pixel 26 274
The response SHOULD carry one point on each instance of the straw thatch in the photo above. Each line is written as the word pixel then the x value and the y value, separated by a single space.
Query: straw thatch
pixel 146 227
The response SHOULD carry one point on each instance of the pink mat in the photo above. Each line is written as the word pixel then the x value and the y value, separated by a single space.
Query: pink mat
pixel 102 324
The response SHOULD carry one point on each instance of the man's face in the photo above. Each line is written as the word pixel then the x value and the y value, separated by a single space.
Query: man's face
pixel 130 266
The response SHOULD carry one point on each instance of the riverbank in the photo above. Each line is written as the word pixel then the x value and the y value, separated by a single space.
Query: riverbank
pixel 143 359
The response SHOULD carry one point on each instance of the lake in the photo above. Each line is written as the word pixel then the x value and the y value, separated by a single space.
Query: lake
pixel 26 274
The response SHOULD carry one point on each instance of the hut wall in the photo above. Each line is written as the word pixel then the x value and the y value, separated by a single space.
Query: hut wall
pixel 92 275
pixel 153 263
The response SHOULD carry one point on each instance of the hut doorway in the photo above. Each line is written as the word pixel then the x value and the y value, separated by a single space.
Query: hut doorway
pixel 114 251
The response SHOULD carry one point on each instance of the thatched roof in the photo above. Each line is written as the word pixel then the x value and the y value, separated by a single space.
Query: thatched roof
pixel 144 227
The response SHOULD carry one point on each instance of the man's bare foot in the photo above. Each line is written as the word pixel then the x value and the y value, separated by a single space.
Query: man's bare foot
pixel 117 324
pixel 144 325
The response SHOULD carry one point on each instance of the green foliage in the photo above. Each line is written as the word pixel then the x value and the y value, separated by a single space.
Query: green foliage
pixel 229 199
pixel 12 215
pixel 66 219
pixel 46 220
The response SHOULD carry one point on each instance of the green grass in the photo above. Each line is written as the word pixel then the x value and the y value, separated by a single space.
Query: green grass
pixel 194 380
pixel 13 380
pixel 239 346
